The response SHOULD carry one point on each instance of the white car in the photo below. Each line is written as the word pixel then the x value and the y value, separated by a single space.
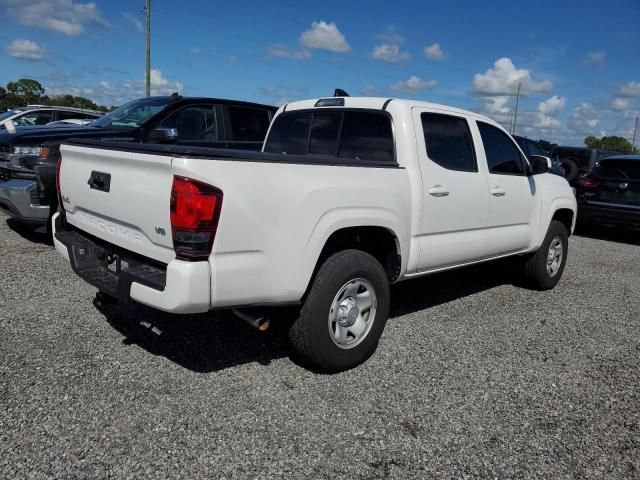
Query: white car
pixel 348 196
pixel 70 121
pixel 41 115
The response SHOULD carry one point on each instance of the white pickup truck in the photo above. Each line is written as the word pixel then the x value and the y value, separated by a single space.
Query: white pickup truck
pixel 348 196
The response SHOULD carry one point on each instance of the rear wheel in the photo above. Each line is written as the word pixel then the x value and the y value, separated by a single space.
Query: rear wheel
pixel 544 268
pixel 344 314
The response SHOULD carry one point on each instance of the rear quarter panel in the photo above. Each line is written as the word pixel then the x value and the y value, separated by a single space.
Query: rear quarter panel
pixel 276 218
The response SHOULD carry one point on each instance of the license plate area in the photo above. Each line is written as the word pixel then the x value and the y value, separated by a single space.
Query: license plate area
pixel 109 268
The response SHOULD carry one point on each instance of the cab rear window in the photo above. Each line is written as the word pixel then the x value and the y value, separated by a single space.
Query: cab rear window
pixel 352 134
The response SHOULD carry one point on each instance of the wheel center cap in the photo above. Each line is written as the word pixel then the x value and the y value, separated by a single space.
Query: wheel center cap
pixel 349 318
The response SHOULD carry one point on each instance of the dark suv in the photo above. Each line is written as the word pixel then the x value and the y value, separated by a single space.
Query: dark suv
pixel 577 162
pixel 610 193
pixel 28 157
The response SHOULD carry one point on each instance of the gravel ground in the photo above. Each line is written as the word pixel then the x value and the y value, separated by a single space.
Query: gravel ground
pixel 475 377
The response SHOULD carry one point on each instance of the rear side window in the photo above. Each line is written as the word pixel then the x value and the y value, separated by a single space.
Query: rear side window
pixel 366 136
pixel 248 124
pixel 448 142
pixel 65 115
pixel 194 123
pixel 352 134
pixel 619 169
pixel 38 117
pixel 289 134
pixel 503 157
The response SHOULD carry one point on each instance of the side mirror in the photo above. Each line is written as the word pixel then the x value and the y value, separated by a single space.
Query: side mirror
pixel 539 164
pixel 164 135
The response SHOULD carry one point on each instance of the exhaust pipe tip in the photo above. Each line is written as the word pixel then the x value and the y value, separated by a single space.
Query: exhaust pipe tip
pixel 254 318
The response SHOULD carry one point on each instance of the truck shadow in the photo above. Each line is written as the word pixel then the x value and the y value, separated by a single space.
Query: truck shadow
pixel 32 234
pixel 218 340
pixel 201 343
pixel 425 292
pixel 609 234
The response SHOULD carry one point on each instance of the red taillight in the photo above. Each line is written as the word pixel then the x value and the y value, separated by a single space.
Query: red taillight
pixel 590 182
pixel 195 211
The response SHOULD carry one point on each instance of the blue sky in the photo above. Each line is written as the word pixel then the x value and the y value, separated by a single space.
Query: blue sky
pixel 578 62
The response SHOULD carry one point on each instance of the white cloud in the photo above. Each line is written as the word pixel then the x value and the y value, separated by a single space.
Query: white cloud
pixel 390 53
pixel 545 121
pixel 324 36
pixel 434 52
pixel 413 86
pixel 594 59
pixel 369 91
pixel 283 51
pixel 25 50
pixel 279 95
pixel 630 89
pixel 162 86
pixel 552 105
pixel 390 36
pixel 620 103
pixel 503 79
pixel 63 16
pixel 585 118
pixel 195 50
pixel 136 22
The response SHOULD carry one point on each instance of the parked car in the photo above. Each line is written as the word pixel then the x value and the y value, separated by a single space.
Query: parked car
pixel 610 193
pixel 341 202
pixel 531 147
pixel 577 161
pixel 70 121
pixel 28 158
pixel 32 115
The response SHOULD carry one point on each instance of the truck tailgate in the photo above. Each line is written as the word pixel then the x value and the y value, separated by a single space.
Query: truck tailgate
pixel 121 197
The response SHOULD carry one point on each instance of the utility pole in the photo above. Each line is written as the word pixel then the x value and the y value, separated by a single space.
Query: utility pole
pixel 635 130
pixel 148 53
pixel 515 113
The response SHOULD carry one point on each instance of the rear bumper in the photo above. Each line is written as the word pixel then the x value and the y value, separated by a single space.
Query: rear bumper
pixel 614 216
pixel 177 287
pixel 17 197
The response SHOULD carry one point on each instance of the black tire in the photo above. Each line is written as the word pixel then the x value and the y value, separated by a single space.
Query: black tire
pixel 535 266
pixel 310 334
pixel 571 170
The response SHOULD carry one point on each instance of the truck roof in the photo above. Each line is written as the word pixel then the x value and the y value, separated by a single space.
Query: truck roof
pixel 381 103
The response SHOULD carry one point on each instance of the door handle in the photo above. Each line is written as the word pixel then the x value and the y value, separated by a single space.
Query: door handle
pixel 498 192
pixel 438 191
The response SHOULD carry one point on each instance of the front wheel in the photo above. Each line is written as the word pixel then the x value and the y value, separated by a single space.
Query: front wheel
pixel 344 314
pixel 544 268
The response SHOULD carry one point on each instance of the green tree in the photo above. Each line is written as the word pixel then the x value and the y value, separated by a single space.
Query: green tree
pixel 611 142
pixel 73 101
pixel 546 145
pixel 23 92
pixel 3 99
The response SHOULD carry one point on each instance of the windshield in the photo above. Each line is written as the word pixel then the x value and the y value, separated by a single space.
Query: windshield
pixel 133 114
pixel 8 113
